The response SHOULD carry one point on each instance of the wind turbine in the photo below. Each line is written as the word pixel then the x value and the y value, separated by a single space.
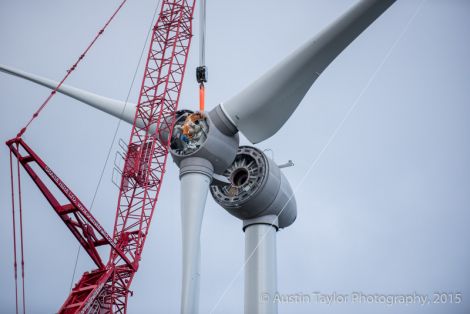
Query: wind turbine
pixel 243 180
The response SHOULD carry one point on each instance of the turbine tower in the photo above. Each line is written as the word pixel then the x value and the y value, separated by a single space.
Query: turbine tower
pixel 241 179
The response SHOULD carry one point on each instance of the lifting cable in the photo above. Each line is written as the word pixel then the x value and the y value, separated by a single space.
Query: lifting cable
pixel 14 229
pixel 201 70
pixel 69 71
pixel 22 131
pixel 20 207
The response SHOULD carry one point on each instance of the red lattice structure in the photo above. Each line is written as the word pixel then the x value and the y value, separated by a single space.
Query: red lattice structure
pixel 106 288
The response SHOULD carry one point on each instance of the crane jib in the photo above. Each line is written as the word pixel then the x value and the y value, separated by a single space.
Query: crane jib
pixel 75 215
pixel 108 286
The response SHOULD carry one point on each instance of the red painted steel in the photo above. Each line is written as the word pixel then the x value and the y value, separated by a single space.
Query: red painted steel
pixel 106 289
pixel 147 156
pixel 74 214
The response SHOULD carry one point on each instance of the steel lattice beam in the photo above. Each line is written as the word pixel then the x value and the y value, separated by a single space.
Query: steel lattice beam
pixel 74 214
pixel 106 289
pixel 145 159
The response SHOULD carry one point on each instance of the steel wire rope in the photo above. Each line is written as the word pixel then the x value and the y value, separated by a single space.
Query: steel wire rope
pixel 69 71
pixel 23 130
pixel 15 267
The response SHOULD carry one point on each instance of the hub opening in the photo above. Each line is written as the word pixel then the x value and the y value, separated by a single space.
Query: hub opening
pixel 240 176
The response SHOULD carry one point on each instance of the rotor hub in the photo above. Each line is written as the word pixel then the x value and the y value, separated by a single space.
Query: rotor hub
pixel 256 188
pixel 189 133
pixel 246 174
pixel 195 135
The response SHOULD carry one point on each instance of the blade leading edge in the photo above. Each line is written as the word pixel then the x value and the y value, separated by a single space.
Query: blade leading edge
pixel 261 109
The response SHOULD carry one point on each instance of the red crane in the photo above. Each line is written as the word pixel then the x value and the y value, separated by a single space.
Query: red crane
pixel 106 288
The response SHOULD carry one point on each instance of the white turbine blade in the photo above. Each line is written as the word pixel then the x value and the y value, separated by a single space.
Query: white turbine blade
pixel 194 188
pixel 113 107
pixel 261 109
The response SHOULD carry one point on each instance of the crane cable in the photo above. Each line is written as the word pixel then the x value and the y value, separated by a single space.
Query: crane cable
pixel 201 70
pixel 19 135
pixel 202 29
pixel 15 269
pixel 69 71
pixel 20 207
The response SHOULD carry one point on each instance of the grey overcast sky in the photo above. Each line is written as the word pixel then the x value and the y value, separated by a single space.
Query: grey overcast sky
pixel 384 209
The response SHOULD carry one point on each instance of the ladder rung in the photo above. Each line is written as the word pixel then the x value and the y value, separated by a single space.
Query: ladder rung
pixel 90 287
pixel 71 306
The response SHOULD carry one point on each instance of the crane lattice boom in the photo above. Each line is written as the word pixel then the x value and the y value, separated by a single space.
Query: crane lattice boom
pixel 106 289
